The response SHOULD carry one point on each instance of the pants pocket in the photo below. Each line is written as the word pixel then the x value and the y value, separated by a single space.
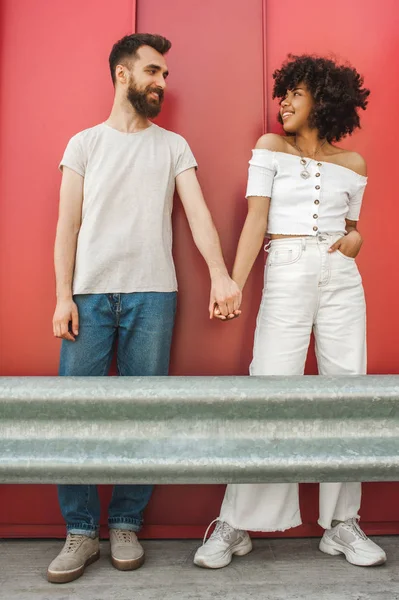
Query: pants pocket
pixel 344 256
pixel 284 254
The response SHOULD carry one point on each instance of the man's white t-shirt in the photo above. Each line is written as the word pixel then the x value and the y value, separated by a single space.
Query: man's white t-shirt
pixel 125 239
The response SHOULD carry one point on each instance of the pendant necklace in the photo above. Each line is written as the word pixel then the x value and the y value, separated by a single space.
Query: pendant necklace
pixel 305 173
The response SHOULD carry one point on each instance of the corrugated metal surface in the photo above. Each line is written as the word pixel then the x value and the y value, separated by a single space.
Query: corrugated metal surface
pixel 198 429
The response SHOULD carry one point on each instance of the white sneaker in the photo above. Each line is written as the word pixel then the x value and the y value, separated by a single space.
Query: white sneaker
pixel 225 541
pixel 347 538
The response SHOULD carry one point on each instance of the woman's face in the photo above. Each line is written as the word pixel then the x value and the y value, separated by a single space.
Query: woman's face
pixel 295 108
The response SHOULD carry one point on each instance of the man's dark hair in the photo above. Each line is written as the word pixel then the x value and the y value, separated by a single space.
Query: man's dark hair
pixel 336 89
pixel 127 47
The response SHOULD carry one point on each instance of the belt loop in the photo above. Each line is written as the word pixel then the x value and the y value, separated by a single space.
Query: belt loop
pixel 267 246
pixel 303 243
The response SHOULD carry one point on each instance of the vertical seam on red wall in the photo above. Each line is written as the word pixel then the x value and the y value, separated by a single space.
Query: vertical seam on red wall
pixel 264 66
pixel 134 15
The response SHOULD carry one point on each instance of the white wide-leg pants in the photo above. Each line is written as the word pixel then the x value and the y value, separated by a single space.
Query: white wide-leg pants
pixel 306 288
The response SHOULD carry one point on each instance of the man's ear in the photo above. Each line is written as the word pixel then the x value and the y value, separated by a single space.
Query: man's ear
pixel 121 74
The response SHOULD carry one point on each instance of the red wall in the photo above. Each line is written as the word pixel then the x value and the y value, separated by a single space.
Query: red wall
pixel 55 82
pixel 365 32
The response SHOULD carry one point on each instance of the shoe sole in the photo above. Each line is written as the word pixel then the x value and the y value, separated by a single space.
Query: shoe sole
pixel 128 565
pixel 241 550
pixel 333 549
pixel 67 576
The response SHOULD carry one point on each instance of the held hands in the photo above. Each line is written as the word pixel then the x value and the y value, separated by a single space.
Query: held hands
pixel 66 312
pixel 349 244
pixel 225 298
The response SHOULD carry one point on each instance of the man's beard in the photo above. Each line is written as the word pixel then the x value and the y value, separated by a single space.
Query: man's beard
pixel 142 104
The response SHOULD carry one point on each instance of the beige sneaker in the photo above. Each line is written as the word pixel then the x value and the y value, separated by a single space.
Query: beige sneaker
pixel 78 552
pixel 127 553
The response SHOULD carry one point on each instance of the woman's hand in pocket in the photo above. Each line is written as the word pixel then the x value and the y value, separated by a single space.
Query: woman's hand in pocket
pixel 349 244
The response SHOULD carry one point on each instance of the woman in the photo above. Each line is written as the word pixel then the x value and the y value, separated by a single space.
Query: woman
pixel 306 193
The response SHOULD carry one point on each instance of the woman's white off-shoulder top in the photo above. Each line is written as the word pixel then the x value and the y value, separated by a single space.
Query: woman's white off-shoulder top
pixel 319 204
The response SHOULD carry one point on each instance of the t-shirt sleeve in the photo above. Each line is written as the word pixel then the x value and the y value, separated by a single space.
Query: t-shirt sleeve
pixel 74 156
pixel 355 200
pixel 261 173
pixel 184 158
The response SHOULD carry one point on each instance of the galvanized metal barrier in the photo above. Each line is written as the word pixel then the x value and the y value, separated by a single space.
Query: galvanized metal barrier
pixel 198 429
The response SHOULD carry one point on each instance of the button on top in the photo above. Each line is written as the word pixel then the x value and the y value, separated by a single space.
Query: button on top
pixel 317 174
pixel 315 216
pixel 317 201
pixel 315 228
pixel 319 165
pixel 317 187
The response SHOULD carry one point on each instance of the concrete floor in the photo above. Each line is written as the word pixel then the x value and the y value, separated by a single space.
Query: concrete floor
pixel 282 569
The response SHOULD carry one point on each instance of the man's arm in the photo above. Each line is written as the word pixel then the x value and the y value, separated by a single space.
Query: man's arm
pixel 224 291
pixel 69 221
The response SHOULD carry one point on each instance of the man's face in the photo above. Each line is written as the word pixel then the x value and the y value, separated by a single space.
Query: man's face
pixel 147 81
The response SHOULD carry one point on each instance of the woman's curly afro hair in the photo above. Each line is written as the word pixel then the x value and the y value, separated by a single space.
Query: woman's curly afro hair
pixel 336 89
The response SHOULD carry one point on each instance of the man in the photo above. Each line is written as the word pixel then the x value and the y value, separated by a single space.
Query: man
pixel 115 274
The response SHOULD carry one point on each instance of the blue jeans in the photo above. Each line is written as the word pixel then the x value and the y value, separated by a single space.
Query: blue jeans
pixel 142 325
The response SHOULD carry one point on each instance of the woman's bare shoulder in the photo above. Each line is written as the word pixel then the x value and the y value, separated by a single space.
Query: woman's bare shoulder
pixel 352 160
pixel 356 162
pixel 271 141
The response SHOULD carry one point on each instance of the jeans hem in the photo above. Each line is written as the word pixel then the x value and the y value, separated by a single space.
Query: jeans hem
pixel 83 530
pixel 126 524
pixel 259 528
pixel 329 525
